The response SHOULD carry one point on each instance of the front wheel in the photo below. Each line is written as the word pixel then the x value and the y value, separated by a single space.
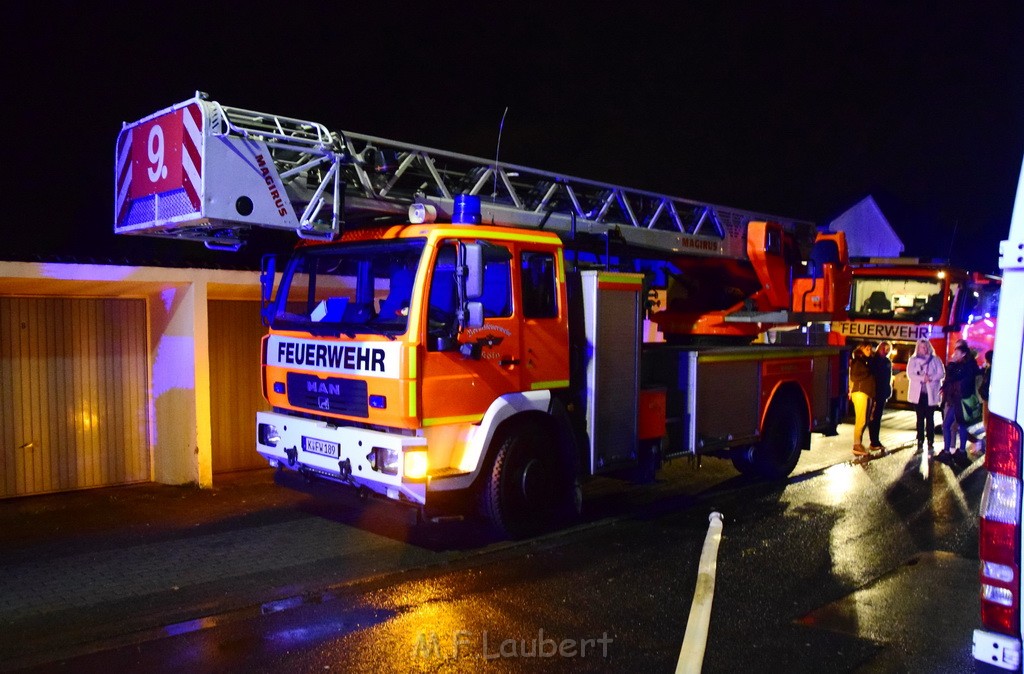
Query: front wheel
pixel 528 486
pixel 743 459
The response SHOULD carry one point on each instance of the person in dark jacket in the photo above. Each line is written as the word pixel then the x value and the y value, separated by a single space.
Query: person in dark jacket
pixel 960 382
pixel 880 363
pixel 986 380
pixel 862 392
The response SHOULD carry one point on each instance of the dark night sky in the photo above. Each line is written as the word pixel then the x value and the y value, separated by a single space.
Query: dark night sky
pixel 795 108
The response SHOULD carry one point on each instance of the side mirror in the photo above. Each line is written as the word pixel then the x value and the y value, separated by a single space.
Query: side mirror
pixel 474 262
pixel 268 272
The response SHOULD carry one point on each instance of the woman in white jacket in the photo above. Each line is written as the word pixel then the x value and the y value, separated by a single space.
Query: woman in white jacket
pixel 925 372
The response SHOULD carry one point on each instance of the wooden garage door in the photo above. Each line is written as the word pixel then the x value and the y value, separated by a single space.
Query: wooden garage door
pixel 235 388
pixel 73 394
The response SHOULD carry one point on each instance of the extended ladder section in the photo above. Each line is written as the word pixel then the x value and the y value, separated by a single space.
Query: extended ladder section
pixel 207 172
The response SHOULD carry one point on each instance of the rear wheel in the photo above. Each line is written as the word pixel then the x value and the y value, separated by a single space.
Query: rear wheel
pixel 777 454
pixel 528 488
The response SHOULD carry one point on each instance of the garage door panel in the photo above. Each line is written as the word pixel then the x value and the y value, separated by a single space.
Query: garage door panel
pixel 235 390
pixel 73 387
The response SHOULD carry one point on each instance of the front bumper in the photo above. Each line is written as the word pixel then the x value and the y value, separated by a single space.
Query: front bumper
pixel 353 464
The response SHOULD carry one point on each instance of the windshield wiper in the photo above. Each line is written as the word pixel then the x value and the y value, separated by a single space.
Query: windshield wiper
pixel 368 328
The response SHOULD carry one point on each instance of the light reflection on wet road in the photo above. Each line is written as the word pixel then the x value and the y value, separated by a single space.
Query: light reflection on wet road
pixel 853 567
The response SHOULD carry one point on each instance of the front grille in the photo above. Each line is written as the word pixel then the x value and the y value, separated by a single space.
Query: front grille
pixel 332 395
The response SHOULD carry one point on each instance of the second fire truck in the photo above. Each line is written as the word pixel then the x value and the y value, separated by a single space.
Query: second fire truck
pixel 902 300
pixel 473 339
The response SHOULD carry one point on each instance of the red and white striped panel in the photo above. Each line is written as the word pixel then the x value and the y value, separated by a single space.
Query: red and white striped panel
pixel 160 155
pixel 191 156
pixel 122 176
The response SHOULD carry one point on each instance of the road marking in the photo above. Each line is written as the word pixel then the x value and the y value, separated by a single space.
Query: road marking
pixel 691 654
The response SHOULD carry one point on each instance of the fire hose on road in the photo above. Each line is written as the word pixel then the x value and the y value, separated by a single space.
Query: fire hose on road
pixel 691 654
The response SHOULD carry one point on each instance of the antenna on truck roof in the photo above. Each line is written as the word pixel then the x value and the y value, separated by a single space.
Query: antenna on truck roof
pixel 497 151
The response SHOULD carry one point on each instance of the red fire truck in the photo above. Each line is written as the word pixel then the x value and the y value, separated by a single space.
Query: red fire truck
pixel 472 340
pixel 905 299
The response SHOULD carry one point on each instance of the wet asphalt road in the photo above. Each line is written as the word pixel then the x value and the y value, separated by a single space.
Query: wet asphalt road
pixel 852 568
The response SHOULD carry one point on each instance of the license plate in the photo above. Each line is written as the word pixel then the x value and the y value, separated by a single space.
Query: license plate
pixel 322 447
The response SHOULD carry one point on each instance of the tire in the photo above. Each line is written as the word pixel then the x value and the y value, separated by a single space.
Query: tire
pixel 775 457
pixel 743 459
pixel 528 488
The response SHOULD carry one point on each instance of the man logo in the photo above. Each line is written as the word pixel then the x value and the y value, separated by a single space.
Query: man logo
pixel 323 387
pixel 324 403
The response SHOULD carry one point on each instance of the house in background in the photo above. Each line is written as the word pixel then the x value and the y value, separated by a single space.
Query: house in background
pixel 868 232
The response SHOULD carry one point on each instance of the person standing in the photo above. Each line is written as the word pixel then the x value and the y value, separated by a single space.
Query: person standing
pixel 960 382
pixel 983 386
pixel 973 355
pixel 862 391
pixel 925 372
pixel 970 352
pixel 880 363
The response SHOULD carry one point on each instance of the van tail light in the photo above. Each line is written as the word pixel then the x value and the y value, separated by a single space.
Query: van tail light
pixel 999 533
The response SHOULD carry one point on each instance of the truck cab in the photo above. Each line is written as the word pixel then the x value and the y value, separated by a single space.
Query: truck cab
pixel 902 300
pixel 381 344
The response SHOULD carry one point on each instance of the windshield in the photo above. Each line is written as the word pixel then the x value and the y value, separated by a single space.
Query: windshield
pixel 349 289
pixel 981 301
pixel 894 298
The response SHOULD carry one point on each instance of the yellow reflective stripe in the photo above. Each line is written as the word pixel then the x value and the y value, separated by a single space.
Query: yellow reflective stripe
pixel 412 366
pixel 550 239
pixel 526 238
pixel 612 277
pixel 763 355
pixel 412 398
pixel 441 421
pixel 561 266
pixel 557 383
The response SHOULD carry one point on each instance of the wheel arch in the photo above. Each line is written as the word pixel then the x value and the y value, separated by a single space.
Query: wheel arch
pixel 787 393
pixel 529 480
pixel 502 417
pixel 554 421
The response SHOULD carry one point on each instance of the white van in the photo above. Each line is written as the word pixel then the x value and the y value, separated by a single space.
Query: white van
pixel 997 645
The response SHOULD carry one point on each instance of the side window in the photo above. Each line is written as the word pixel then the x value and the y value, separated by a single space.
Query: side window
pixel 538 281
pixel 497 297
pixel 443 299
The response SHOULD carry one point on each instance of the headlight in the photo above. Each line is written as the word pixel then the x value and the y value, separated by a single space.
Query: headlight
pixel 384 460
pixel 268 435
pixel 415 465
